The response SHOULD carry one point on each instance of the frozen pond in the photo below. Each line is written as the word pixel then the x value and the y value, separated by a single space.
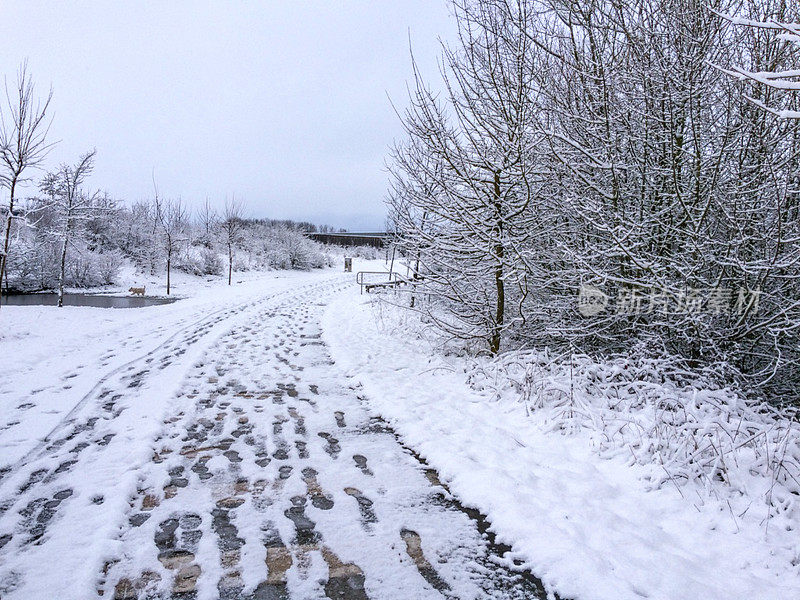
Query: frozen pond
pixel 84 300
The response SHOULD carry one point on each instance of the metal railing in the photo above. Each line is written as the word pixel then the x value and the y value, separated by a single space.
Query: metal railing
pixel 388 280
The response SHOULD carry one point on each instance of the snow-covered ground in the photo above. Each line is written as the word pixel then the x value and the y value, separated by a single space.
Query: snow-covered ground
pixel 240 443
pixel 589 523
pixel 218 454
pixel 55 357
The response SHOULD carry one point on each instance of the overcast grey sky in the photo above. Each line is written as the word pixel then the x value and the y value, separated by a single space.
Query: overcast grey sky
pixel 283 103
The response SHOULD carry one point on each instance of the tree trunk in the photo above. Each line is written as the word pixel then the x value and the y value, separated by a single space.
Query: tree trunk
pixel 230 263
pixel 494 343
pixel 169 262
pixel 499 280
pixel 3 272
pixel 61 272
pixel 416 277
pixel 416 264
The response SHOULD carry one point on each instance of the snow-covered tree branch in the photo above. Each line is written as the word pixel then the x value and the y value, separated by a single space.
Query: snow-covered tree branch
pixel 23 145
pixel 785 79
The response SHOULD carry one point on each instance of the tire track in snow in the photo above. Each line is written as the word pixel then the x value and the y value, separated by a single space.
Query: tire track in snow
pixel 35 490
pixel 308 495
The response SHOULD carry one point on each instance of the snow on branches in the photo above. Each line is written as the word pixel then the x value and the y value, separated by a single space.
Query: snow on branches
pixel 786 80
pixel 596 145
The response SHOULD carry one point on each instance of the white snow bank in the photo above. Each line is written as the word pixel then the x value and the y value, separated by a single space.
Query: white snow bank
pixel 591 517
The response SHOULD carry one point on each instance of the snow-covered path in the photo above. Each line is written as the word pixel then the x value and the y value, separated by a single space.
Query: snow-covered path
pixel 234 462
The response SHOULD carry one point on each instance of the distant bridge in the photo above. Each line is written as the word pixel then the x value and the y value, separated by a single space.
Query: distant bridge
pixel 377 240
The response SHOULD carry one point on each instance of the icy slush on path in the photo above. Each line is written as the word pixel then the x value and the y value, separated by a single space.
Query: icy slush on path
pixel 262 476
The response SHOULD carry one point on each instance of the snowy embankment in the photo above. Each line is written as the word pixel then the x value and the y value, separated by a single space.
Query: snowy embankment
pixel 56 356
pixel 586 490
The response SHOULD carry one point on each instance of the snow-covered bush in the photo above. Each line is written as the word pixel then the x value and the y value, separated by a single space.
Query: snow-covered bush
pixel 92 269
pixel 300 252
pixel 35 263
pixel 278 258
pixel 210 262
pixel 188 262
pixel 199 260
pixel 240 263
pixel 682 425
pixel 32 266
pixel 281 247
pixel 601 145
pixel 108 266
pixel 365 252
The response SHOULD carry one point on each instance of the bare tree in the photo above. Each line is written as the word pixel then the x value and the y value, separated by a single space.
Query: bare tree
pixel 23 144
pixel 231 228
pixel 171 217
pixel 72 206
pixel 464 183
pixel 207 218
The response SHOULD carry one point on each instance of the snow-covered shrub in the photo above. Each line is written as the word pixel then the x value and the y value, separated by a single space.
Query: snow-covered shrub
pixel 278 258
pixel 301 252
pixel 210 261
pixel 365 252
pixel 199 260
pixel 279 247
pixel 91 269
pixel 240 263
pixel 108 266
pixel 32 266
pixel 678 203
pixel 35 265
pixel 188 262
pixel 681 424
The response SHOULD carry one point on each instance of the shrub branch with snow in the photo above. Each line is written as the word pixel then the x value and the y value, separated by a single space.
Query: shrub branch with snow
pixel 656 414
